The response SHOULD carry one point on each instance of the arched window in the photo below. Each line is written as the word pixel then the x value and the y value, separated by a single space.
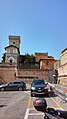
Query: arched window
pixel 10 61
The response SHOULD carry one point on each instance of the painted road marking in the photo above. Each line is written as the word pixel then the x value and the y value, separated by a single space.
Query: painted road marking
pixel 58 105
pixel 27 111
pixel 38 114
pixel 29 102
pixel 26 114
pixel 34 112
pixel 59 109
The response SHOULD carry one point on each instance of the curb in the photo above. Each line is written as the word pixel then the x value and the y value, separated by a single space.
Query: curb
pixel 62 92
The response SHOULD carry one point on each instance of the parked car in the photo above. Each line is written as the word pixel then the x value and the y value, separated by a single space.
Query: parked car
pixel 1 83
pixel 38 86
pixel 14 85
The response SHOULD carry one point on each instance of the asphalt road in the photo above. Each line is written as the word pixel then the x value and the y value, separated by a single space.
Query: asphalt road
pixel 19 105
pixel 13 104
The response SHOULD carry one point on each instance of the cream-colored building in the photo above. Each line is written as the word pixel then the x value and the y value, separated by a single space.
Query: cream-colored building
pixel 62 70
pixel 39 56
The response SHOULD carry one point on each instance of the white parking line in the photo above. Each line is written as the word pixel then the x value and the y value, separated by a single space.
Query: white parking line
pixel 59 109
pixel 27 111
pixel 26 114
pixel 38 114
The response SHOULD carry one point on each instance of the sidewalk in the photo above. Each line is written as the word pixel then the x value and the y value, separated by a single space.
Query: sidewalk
pixel 60 88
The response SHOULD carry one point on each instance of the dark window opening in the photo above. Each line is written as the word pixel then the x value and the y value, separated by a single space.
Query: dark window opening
pixel 46 63
pixel 13 42
pixel 10 62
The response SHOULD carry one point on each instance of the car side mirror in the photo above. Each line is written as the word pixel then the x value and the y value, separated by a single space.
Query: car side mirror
pixel 46 84
pixel 8 84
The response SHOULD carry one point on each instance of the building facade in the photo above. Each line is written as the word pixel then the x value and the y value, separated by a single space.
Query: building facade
pixel 12 51
pixel 42 67
pixel 62 70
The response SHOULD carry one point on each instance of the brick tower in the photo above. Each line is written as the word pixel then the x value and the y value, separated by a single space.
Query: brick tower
pixel 13 51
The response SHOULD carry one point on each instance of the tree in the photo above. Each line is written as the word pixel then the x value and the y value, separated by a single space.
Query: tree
pixel 29 58
pixel 3 57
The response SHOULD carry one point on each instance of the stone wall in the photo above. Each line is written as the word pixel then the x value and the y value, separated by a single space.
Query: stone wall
pixel 7 74
pixel 63 80
pixel 62 74
pixel 10 73
pixel 29 74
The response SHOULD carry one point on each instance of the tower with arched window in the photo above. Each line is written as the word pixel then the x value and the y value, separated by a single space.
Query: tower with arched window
pixel 12 51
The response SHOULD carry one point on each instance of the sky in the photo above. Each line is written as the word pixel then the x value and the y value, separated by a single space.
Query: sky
pixel 41 25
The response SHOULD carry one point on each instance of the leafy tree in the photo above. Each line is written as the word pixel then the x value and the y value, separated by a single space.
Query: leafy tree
pixel 27 59
pixel 32 58
pixel 3 57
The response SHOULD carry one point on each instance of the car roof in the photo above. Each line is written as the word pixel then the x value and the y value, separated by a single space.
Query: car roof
pixel 18 81
pixel 36 79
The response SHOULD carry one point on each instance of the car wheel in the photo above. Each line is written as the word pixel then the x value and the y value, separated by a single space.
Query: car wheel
pixel 20 88
pixel 31 95
pixel 47 94
pixel 24 89
pixel 2 89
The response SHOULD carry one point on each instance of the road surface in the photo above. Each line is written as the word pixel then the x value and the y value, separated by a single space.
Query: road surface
pixel 19 105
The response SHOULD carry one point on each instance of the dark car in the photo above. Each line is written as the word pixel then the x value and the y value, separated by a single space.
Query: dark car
pixel 38 86
pixel 1 83
pixel 40 104
pixel 14 85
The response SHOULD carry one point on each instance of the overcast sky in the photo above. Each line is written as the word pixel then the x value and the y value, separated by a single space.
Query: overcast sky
pixel 41 24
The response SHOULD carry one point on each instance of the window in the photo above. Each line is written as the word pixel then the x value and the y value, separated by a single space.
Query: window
pixel 13 42
pixel 10 83
pixel 11 50
pixel 16 83
pixel 47 63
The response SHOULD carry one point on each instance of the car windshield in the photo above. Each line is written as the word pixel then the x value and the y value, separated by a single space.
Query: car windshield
pixel 39 82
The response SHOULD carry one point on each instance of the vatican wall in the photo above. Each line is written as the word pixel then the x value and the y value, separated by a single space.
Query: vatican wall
pixel 7 74
pixel 10 73
pixel 29 74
